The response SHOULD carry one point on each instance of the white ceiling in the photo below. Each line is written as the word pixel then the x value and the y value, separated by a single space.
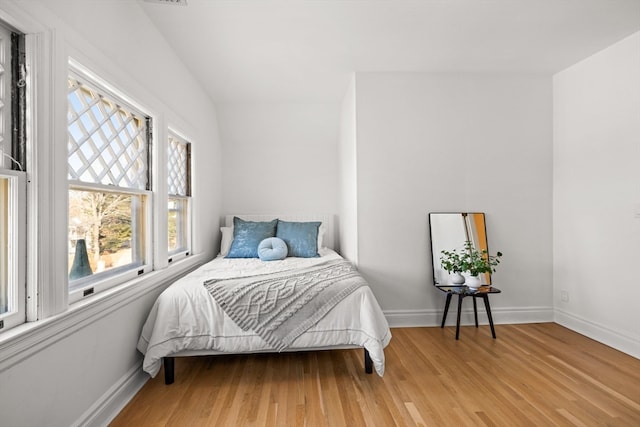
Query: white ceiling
pixel 305 50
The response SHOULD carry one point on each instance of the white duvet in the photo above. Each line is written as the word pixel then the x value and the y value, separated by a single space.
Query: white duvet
pixel 186 319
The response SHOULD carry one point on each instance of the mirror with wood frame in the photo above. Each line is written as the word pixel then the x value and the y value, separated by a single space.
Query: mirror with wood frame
pixel 449 231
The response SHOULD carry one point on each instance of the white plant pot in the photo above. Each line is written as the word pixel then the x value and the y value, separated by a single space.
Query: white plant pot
pixel 456 279
pixel 473 282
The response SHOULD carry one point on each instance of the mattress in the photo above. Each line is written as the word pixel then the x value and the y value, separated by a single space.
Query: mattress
pixel 185 319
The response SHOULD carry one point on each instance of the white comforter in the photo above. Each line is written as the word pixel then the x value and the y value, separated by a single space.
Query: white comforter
pixel 186 318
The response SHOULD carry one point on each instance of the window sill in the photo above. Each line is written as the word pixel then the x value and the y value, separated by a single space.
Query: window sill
pixel 20 342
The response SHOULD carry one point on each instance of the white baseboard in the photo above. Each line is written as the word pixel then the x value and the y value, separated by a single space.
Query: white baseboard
pixel 433 317
pixel 105 409
pixel 620 341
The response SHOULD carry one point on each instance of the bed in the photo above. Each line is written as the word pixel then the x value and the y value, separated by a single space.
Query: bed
pixel 193 318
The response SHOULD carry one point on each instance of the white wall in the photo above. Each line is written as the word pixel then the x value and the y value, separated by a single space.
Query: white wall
pixel 596 211
pixel 80 368
pixel 454 142
pixel 348 176
pixel 279 157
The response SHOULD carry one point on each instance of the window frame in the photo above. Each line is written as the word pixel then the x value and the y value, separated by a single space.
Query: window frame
pixel 16 249
pixel 112 278
pixel 119 275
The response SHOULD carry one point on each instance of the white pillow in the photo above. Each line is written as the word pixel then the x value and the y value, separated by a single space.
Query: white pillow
pixel 320 236
pixel 227 239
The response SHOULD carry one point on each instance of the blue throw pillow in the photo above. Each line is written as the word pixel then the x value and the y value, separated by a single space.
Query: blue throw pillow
pixel 272 249
pixel 301 237
pixel 247 235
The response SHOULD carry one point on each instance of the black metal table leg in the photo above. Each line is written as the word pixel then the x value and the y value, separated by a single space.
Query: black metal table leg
pixel 460 297
pixel 475 311
pixel 488 308
pixel 463 291
pixel 446 309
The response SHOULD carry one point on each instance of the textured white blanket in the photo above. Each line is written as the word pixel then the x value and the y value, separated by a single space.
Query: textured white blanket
pixel 281 306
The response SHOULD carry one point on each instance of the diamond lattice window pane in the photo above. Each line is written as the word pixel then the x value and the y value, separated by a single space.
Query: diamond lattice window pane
pixel 178 167
pixel 107 142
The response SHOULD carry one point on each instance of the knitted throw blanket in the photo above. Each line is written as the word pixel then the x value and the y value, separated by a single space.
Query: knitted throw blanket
pixel 279 307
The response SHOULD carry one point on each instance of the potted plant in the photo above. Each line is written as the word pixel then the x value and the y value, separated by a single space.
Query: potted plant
pixel 469 260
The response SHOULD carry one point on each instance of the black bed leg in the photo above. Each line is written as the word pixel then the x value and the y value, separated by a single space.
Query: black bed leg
pixel 368 363
pixel 169 364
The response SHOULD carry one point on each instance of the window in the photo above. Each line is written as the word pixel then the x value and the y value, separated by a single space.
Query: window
pixel 12 248
pixel 109 188
pixel 179 191
pixel 12 181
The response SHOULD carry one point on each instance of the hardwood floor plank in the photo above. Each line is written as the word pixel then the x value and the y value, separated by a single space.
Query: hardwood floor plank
pixel 531 375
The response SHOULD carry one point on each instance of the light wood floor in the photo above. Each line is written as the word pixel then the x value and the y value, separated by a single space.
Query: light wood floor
pixel 531 375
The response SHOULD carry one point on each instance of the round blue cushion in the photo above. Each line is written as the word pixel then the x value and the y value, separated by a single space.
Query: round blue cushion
pixel 272 248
